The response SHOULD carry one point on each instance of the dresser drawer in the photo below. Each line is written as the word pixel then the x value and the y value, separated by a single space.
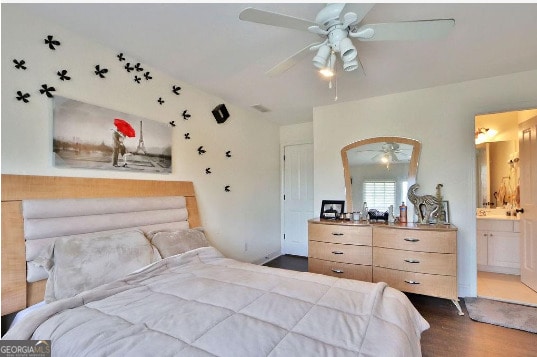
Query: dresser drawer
pixel 416 240
pixel 419 262
pixel 340 270
pixel 333 233
pixel 427 284
pixel 343 253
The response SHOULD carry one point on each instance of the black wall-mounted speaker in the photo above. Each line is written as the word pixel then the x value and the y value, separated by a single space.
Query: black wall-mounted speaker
pixel 220 113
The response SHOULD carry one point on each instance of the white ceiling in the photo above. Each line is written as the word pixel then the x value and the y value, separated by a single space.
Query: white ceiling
pixel 207 46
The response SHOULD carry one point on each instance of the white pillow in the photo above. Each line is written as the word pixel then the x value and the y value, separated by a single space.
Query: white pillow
pixel 82 263
pixel 178 242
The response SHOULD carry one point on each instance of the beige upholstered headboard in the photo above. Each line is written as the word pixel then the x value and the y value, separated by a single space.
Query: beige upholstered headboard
pixel 16 292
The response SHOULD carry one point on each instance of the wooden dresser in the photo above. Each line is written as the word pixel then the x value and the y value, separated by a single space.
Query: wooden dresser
pixel 341 249
pixel 414 258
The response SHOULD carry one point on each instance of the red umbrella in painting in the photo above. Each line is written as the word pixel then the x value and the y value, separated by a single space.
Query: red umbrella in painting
pixel 124 127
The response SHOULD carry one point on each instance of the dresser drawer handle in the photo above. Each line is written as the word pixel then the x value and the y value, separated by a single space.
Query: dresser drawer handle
pixel 412 282
pixel 413 240
pixel 413 261
pixel 337 271
pixel 336 252
pixel 337 234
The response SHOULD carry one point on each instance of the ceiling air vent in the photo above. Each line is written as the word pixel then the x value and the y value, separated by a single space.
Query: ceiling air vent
pixel 261 108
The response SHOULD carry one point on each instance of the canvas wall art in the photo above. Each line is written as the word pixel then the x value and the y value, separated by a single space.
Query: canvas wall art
pixel 93 137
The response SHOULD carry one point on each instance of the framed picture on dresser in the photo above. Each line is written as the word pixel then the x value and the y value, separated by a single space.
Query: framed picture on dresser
pixel 331 209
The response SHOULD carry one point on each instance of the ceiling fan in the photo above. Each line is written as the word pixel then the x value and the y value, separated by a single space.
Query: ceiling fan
pixel 336 30
pixel 390 152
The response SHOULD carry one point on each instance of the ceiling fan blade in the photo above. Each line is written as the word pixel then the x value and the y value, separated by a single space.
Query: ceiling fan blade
pixel 275 19
pixel 290 62
pixel 411 30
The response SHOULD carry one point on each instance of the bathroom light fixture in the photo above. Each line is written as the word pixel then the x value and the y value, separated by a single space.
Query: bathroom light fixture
pixel 483 134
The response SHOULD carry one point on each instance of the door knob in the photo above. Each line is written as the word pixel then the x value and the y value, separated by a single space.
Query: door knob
pixel 520 210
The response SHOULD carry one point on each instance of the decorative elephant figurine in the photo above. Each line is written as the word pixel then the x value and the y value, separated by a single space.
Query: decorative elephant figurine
pixel 424 206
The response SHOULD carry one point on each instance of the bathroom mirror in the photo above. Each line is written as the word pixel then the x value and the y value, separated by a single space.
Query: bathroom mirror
pixel 379 171
pixel 497 173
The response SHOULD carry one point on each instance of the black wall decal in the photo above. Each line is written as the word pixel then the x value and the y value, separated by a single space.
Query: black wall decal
pixel 172 123
pixel 147 76
pixel 186 115
pixel 128 67
pixel 208 171
pixel 227 188
pixel 51 42
pixel 220 113
pixel 137 79
pixel 176 89
pixel 19 64
pixel 100 72
pixel 160 101
pixel 228 153
pixel 63 75
pixel 138 67
pixel 201 150
pixel 24 97
pixel 187 136
pixel 47 90
pixel 120 57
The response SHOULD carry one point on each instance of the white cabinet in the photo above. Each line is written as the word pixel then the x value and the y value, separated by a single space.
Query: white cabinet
pixel 498 246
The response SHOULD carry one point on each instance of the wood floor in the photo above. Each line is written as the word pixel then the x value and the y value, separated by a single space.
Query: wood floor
pixel 451 334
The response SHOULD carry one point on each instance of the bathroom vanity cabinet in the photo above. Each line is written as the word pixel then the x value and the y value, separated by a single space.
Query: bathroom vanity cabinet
pixel 498 247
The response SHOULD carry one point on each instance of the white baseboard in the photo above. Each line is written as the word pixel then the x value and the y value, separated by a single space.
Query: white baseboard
pixel 267 258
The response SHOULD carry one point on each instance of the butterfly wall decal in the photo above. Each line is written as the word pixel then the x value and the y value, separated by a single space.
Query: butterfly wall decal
pixel 137 79
pixel 227 188
pixel 23 96
pixel 147 76
pixel 100 72
pixel 63 75
pixel 186 115
pixel 176 89
pixel 120 57
pixel 51 42
pixel 172 123
pixel 128 67
pixel 47 90
pixel 201 150
pixel 208 171
pixel 160 101
pixel 187 136
pixel 19 64
pixel 138 67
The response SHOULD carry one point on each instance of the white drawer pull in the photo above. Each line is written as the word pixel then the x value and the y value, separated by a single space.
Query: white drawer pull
pixel 337 234
pixel 412 282
pixel 337 271
pixel 413 240
pixel 336 252
pixel 413 261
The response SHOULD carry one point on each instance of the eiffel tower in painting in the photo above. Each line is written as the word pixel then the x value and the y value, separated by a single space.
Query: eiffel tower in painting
pixel 141 145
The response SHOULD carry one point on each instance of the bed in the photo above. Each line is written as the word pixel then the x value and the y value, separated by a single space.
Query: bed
pixel 182 299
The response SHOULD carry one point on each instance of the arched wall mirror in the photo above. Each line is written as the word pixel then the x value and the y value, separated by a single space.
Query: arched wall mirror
pixel 379 171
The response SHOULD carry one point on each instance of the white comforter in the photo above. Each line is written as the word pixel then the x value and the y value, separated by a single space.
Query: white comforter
pixel 201 304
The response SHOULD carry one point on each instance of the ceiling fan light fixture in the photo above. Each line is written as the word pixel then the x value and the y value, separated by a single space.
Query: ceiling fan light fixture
pixel 347 49
pixel 350 65
pixel 321 57
pixel 328 70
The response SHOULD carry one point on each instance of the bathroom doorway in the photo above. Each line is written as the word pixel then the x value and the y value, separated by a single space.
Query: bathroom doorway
pixel 498 197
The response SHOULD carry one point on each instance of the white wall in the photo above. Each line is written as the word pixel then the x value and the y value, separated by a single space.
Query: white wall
pixel 249 215
pixel 442 119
